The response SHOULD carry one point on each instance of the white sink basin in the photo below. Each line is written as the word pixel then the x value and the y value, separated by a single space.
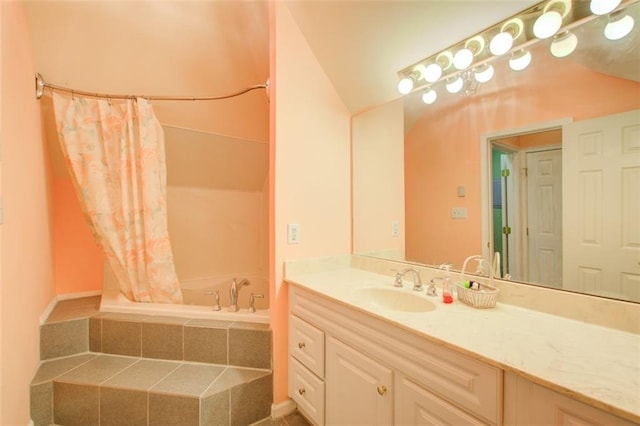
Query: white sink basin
pixel 393 299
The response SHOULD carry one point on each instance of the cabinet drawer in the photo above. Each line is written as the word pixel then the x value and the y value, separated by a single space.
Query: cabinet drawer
pixel 306 344
pixel 415 405
pixel 307 391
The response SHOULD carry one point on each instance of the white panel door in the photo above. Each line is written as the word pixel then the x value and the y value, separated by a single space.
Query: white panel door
pixel 544 216
pixel 359 390
pixel 601 164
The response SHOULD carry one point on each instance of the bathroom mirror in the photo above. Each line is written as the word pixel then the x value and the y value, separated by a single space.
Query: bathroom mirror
pixel 439 191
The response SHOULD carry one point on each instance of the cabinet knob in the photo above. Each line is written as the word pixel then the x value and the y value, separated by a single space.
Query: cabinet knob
pixel 382 389
pixel 301 345
pixel 301 391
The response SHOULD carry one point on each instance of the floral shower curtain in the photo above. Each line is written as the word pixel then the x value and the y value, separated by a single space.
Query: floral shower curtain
pixel 115 154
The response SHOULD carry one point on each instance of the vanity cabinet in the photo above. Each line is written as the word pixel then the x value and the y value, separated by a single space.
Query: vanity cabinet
pixel 417 405
pixel 530 404
pixel 359 390
pixel 347 366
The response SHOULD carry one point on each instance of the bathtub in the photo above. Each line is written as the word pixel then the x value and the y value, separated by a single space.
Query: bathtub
pixel 197 303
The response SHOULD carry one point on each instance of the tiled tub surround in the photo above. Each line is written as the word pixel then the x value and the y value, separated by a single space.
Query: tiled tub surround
pixel 198 299
pixel 114 301
pixel 593 364
pixel 114 369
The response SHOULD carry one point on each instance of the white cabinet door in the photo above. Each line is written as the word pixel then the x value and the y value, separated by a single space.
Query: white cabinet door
pixel 359 390
pixel 417 406
pixel 529 404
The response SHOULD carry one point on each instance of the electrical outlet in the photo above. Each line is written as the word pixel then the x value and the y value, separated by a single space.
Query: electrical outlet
pixel 293 233
pixel 395 228
pixel 459 213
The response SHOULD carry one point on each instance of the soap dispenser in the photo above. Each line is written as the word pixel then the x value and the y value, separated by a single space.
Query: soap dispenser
pixel 447 297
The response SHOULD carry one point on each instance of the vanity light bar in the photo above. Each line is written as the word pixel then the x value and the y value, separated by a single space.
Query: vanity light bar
pixel 550 19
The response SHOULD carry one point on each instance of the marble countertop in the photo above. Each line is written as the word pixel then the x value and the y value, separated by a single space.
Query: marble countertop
pixel 597 365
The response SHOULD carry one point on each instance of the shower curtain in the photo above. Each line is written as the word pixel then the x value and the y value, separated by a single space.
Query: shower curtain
pixel 115 155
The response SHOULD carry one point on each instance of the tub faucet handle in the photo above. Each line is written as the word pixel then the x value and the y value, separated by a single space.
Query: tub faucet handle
pixel 216 305
pixel 252 301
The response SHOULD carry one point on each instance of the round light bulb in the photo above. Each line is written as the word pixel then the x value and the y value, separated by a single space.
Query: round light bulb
pixel 602 7
pixel 419 71
pixel 432 73
pixel 429 96
pixel 520 60
pixel 615 30
pixel 455 86
pixel 462 59
pixel 547 24
pixel 405 85
pixel 563 44
pixel 484 74
pixel 501 43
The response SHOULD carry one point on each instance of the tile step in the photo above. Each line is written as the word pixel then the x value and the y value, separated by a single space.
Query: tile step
pixel 77 326
pixel 115 369
pixel 93 388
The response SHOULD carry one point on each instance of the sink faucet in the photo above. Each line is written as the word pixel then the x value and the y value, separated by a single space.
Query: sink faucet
pixel 417 281
pixel 233 293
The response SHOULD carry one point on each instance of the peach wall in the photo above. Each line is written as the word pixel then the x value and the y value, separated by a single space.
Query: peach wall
pixel 179 48
pixel 77 257
pixel 442 150
pixel 27 271
pixel 378 179
pixel 1 142
pixel 215 233
pixel 310 170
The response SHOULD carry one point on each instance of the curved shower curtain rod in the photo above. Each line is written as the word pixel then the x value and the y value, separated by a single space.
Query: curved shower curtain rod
pixel 41 85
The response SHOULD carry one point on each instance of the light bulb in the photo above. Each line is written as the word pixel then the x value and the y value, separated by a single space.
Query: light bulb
pixel 484 73
pixel 563 44
pixel 405 85
pixel 432 73
pixel 444 59
pixel 429 96
pixel 547 24
pixel 618 28
pixel 602 7
pixel 419 71
pixel 454 86
pixel 520 60
pixel 501 43
pixel 462 59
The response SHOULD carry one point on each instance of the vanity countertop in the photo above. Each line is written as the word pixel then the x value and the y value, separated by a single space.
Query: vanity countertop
pixel 594 364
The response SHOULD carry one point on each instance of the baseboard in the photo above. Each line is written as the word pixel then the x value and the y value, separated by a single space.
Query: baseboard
pixel 283 408
pixel 48 309
pixel 66 296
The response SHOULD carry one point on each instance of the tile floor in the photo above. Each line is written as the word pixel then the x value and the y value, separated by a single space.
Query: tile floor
pixel 293 419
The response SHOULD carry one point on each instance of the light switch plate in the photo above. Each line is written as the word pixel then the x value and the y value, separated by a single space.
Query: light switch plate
pixel 459 213
pixel 293 233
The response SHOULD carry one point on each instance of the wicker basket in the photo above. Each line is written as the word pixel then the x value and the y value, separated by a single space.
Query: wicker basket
pixel 486 297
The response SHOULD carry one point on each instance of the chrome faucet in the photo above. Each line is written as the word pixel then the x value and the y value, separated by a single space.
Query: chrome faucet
pixel 252 301
pixel 216 305
pixel 233 293
pixel 417 281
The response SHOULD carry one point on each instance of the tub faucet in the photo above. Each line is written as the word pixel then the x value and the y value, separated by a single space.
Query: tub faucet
pixel 216 305
pixel 417 281
pixel 252 301
pixel 233 293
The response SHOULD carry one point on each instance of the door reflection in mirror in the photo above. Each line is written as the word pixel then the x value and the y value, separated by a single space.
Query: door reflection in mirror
pixel 526 193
